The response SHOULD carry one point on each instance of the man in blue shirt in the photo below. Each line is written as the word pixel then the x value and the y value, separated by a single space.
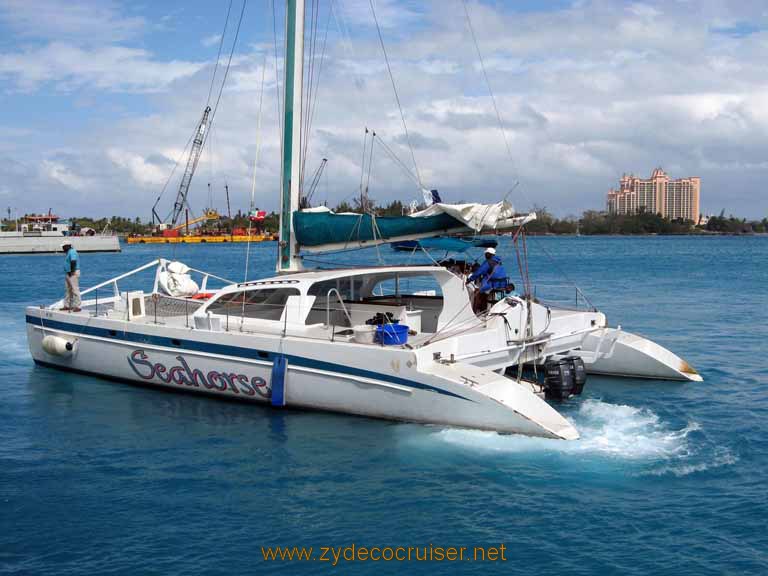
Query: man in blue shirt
pixel 491 275
pixel 72 278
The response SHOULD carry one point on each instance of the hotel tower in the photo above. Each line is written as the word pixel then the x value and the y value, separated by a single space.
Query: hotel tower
pixel 659 194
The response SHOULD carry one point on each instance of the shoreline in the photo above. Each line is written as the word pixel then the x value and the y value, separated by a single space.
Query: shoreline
pixel 619 235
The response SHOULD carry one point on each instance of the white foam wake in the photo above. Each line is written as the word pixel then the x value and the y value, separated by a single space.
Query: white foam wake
pixel 606 429
pixel 722 457
pixel 15 347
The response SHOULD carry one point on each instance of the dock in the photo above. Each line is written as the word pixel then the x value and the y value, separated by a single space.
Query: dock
pixel 213 239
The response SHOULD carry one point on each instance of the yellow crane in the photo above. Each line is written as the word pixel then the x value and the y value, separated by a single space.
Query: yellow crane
pixel 207 216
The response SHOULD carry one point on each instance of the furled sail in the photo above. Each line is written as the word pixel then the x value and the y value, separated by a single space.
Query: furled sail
pixel 320 229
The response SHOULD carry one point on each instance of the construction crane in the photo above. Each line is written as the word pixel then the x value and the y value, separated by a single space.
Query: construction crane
pixel 194 156
pixel 207 215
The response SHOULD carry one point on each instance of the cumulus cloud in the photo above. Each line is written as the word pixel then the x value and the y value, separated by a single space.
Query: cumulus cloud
pixel 84 21
pixel 63 174
pixel 211 40
pixel 113 68
pixel 141 170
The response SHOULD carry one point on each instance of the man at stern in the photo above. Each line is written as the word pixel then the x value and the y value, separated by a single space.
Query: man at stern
pixel 72 278
pixel 491 276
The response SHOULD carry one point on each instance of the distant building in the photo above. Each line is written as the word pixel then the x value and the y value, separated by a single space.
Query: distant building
pixel 659 194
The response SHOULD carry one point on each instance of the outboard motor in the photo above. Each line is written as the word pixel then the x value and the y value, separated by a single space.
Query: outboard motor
pixel 558 379
pixel 579 374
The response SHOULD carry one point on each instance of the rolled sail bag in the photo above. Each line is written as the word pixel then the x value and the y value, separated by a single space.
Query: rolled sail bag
pixel 176 281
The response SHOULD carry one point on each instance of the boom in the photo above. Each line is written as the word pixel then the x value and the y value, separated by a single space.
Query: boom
pixel 189 171
pixel 207 215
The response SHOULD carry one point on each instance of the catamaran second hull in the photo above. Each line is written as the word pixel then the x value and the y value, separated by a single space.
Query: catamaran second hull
pixel 319 375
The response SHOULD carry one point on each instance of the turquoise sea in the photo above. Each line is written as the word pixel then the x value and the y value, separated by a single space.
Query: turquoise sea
pixel 98 477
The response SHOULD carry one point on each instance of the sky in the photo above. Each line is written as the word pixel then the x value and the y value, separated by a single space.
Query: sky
pixel 99 98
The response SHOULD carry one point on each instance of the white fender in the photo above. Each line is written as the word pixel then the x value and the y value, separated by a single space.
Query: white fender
pixel 58 346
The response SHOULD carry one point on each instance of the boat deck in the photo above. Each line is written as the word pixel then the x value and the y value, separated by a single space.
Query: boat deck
pixel 179 313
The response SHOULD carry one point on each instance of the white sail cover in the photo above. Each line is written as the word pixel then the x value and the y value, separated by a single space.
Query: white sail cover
pixel 321 230
pixel 479 216
pixel 176 281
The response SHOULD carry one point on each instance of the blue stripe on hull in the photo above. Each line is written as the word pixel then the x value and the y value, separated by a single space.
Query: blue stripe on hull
pixel 138 339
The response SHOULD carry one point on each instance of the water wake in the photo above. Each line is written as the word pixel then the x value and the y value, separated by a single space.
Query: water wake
pixel 15 347
pixel 721 457
pixel 607 430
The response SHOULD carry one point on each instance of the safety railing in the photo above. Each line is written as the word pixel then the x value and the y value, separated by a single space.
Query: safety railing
pixel 328 310
pixel 101 303
pixel 564 295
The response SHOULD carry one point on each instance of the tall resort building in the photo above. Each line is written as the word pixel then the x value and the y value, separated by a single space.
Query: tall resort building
pixel 659 194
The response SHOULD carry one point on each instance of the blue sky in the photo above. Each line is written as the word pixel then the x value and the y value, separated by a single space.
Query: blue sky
pixel 99 98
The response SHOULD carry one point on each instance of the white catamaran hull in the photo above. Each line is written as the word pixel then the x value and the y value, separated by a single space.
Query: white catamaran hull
pixel 319 375
pixel 629 355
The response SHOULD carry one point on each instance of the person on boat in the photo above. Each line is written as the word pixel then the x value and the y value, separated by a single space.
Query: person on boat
pixel 490 276
pixel 72 278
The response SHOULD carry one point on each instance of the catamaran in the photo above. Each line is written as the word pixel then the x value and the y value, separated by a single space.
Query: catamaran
pixel 394 342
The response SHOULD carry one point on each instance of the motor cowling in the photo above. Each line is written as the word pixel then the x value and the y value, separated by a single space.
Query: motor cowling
pixel 558 379
pixel 579 374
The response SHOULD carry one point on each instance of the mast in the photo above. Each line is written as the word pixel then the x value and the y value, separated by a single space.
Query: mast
pixel 287 260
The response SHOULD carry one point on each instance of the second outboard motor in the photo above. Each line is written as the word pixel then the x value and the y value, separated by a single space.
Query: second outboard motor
pixel 579 374
pixel 558 379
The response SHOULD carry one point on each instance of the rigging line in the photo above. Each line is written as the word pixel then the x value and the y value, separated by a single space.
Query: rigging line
pixel 315 90
pixel 314 18
pixel 218 56
pixel 346 42
pixel 362 163
pixel 493 97
pixel 563 274
pixel 397 160
pixel 229 63
pixel 307 87
pixel 325 200
pixel 364 202
pixel 525 261
pixel 255 165
pixel 453 318
pixel 375 229
pixel 320 69
pixel 170 176
pixel 487 81
pixel 394 88
pixel 277 75
pixel 210 166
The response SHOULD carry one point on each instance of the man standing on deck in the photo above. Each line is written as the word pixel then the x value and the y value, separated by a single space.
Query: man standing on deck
pixel 72 278
pixel 492 276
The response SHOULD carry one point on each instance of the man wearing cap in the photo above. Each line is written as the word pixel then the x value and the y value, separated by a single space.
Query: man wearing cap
pixel 492 276
pixel 72 278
